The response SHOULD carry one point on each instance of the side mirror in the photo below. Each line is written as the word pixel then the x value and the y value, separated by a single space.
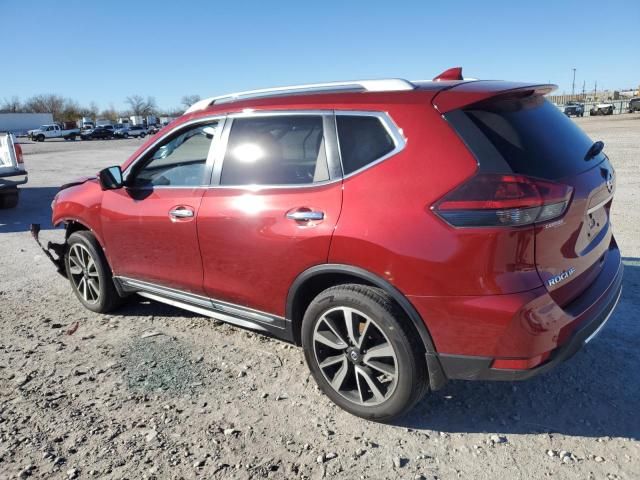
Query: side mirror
pixel 111 178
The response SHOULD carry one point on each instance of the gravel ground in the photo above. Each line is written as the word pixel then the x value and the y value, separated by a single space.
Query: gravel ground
pixel 154 392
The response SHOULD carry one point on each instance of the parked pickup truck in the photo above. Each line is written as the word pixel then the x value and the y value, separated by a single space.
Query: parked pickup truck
pixel 12 171
pixel 53 131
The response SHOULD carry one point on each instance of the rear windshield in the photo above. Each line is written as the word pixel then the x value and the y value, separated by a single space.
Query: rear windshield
pixel 531 135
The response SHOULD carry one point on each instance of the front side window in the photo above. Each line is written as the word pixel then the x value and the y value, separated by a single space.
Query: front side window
pixel 277 150
pixel 363 140
pixel 180 161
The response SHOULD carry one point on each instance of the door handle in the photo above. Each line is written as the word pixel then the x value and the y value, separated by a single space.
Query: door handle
pixel 305 215
pixel 181 212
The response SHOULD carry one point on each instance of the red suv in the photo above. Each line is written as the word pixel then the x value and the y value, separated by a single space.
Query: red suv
pixel 403 233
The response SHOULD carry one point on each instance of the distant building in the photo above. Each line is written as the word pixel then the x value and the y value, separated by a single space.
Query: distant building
pixel 19 123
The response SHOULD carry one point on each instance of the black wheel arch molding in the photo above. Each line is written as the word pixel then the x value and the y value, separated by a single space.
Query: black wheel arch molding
pixel 437 378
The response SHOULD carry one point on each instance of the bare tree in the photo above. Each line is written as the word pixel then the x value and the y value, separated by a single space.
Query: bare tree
pixel 46 103
pixel 110 113
pixel 11 105
pixel 140 106
pixel 189 100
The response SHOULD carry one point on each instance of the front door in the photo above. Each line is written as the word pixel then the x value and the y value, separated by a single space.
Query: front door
pixel 272 209
pixel 149 226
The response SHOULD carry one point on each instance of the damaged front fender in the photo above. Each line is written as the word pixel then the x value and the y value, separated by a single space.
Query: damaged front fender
pixel 54 251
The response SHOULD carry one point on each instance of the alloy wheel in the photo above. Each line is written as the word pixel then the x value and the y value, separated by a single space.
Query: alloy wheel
pixel 355 356
pixel 84 273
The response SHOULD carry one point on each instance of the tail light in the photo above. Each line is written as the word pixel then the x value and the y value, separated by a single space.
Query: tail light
pixel 19 157
pixel 493 200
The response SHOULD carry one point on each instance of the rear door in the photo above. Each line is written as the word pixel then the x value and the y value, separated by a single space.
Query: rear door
pixel 526 135
pixel 273 207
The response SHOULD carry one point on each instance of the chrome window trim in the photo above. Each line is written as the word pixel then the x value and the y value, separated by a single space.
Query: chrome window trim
pixel 390 126
pixel 328 127
pixel 220 118
pixel 332 144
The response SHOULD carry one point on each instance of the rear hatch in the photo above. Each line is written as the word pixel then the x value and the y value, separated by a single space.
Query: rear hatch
pixel 519 132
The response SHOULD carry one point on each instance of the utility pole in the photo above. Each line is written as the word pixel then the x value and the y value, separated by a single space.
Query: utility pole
pixel 573 84
pixel 595 91
pixel 584 84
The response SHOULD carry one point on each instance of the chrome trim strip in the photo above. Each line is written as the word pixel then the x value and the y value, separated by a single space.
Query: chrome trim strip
pixel 203 311
pixel 209 304
pixel 599 205
pixel 160 290
pixel 330 136
pixel 597 330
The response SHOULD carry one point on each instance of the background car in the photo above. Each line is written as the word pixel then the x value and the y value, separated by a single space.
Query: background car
pixel 574 108
pixel 121 130
pixel 634 105
pixel 98 133
pixel 137 131
pixel 12 170
pixel 602 109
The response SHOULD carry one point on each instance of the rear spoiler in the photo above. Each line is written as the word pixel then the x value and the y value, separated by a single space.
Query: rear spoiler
pixel 464 94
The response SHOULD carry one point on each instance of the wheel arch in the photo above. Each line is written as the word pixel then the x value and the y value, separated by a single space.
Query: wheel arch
pixel 73 224
pixel 315 279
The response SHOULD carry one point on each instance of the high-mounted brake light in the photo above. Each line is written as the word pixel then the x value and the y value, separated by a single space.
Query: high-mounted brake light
pixel 491 200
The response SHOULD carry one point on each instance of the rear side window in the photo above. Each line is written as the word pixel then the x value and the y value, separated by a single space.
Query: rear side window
pixel 530 135
pixel 278 150
pixel 363 140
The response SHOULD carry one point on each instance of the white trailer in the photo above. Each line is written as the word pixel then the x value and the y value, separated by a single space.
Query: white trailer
pixel 137 120
pixel 20 123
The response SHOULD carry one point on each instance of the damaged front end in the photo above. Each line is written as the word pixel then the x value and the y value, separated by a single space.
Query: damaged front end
pixel 54 251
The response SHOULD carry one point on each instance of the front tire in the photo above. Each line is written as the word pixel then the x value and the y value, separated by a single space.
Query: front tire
pixel 363 353
pixel 89 273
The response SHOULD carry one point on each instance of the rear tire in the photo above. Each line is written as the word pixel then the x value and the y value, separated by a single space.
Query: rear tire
pixel 374 369
pixel 40 138
pixel 9 199
pixel 89 273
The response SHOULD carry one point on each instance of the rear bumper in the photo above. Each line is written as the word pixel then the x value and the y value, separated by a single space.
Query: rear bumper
pixel 537 335
pixel 13 179
pixel 479 368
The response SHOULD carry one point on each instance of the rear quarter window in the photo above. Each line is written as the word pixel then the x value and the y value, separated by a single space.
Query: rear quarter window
pixel 363 140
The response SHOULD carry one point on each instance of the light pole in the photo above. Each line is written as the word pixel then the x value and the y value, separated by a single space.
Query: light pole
pixel 573 84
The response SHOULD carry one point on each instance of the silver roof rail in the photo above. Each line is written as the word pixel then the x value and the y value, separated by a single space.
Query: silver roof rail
pixel 382 85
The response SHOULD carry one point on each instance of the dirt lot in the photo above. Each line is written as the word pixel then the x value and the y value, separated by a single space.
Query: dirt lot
pixel 204 400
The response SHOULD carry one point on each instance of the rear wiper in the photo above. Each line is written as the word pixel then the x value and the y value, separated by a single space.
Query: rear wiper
pixel 595 149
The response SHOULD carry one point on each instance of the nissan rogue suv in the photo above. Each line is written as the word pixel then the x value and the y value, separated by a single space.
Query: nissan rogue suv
pixel 403 233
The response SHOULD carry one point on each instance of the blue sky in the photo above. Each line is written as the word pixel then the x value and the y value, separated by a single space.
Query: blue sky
pixel 105 51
